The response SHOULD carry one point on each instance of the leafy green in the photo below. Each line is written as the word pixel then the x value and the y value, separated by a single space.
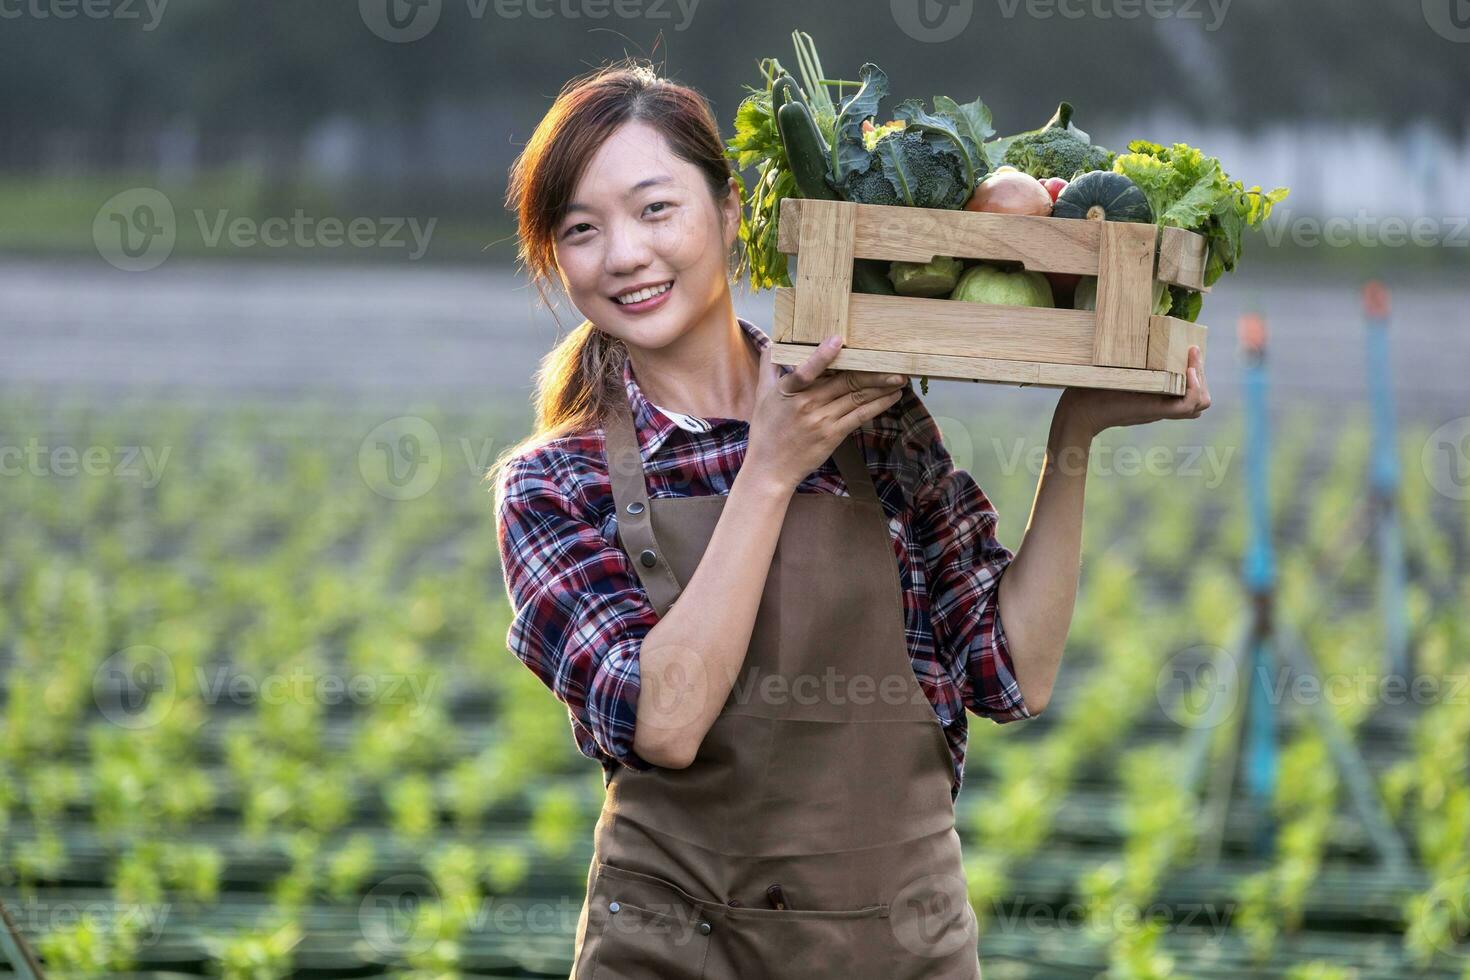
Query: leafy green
pixel 1189 190
pixel 849 155
pixel 950 130
pixel 933 161
pixel 757 142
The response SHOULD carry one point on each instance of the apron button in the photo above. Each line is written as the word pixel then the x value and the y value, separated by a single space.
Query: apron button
pixel 636 507
pixel 613 907
pixel 648 559
pixel 704 928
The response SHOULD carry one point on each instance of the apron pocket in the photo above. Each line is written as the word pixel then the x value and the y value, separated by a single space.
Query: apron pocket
pixel 644 928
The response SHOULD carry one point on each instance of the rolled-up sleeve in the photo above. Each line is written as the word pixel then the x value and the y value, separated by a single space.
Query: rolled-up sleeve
pixel 579 614
pixel 955 524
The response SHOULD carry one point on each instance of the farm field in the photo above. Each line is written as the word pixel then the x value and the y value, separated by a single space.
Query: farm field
pixel 259 719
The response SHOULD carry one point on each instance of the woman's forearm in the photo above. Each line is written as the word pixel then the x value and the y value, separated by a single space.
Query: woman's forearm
pixel 691 657
pixel 1038 590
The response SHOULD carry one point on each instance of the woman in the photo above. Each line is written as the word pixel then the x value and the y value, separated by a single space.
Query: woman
pixel 766 596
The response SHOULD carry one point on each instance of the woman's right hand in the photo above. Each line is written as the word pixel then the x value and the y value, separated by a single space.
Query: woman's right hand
pixel 792 436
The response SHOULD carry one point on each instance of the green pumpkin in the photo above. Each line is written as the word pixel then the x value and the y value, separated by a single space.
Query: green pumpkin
pixel 1102 195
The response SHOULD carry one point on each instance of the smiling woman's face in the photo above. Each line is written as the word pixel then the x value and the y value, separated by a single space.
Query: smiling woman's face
pixel 643 223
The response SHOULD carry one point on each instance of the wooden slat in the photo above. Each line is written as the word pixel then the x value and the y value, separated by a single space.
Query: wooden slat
pixel 1182 256
pixel 1169 339
pixel 920 234
pixel 1124 294
pixel 946 326
pixel 989 369
pixel 824 272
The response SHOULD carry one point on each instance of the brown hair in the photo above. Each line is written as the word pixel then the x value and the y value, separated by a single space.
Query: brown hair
pixel 580 376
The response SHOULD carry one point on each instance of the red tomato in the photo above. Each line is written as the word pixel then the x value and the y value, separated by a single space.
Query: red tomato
pixel 1054 186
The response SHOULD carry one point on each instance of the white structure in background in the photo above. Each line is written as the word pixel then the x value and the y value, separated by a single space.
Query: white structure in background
pixel 1332 170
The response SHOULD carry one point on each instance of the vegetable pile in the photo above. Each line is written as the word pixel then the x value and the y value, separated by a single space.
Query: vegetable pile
pixel 802 143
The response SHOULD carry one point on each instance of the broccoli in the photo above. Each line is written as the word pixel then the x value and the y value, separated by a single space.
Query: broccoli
pixel 1057 149
pixel 869 186
pixel 909 167
pixel 1056 153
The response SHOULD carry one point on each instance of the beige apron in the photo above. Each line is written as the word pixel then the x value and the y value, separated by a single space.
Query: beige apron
pixel 826 775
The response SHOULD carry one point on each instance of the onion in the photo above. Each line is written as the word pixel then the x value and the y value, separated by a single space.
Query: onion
pixel 1010 192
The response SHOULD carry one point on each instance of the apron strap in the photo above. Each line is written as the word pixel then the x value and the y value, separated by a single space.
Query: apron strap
pixel 634 515
pixel 854 468
pixel 630 496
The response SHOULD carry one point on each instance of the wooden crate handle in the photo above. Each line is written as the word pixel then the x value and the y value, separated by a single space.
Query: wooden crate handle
pixel 823 271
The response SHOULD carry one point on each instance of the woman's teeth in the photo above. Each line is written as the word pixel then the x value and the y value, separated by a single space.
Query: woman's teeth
pixel 644 294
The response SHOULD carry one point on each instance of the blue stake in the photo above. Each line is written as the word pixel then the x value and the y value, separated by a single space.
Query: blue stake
pixel 1384 483
pixel 1260 755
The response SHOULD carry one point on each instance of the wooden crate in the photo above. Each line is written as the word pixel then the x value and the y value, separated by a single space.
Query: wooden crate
pixel 1121 345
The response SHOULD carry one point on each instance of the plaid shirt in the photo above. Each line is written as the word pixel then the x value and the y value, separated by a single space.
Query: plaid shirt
pixel 580 612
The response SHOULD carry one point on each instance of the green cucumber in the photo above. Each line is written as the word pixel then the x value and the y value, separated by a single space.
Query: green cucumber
pixel 806 150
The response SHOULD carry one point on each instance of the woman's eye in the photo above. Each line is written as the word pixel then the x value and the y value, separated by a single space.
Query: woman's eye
pixel 574 229
pixel 659 204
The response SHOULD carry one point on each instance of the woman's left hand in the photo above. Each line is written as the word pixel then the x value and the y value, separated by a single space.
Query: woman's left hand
pixel 1096 409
